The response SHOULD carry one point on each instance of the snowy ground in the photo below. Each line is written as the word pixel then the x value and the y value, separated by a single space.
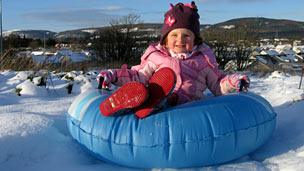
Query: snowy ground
pixel 34 136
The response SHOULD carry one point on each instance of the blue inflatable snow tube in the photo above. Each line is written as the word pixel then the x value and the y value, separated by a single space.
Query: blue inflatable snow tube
pixel 199 133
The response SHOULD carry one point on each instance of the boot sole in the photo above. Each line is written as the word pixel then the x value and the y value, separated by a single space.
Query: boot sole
pixel 161 85
pixel 128 96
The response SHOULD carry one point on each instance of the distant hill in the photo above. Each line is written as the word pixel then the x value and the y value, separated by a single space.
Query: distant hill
pixel 79 33
pixel 268 28
pixel 146 28
pixel 35 34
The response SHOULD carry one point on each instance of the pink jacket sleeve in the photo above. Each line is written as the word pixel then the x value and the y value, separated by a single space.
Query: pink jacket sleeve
pixel 141 72
pixel 212 76
pixel 218 82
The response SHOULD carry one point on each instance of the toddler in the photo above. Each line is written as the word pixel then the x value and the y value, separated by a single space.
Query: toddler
pixel 176 70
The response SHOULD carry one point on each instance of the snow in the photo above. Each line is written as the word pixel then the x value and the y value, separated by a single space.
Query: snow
pixel 270 52
pixel 34 135
pixel 41 57
pixel 9 32
pixel 228 27
pixel 298 49
pixel 283 47
pixel 91 31
pixel 267 47
pixel 35 53
pixel 29 88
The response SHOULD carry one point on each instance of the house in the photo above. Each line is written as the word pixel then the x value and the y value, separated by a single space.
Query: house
pixel 286 53
pixel 299 50
pixel 65 55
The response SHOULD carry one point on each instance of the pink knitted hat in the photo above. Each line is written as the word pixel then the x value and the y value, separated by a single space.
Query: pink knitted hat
pixel 181 16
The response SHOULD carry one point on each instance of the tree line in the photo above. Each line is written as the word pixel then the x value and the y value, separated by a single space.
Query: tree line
pixel 14 41
pixel 122 42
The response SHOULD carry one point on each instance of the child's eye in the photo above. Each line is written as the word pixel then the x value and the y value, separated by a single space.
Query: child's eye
pixel 185 36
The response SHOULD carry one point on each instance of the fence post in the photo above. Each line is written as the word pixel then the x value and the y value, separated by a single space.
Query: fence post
pixel 301 77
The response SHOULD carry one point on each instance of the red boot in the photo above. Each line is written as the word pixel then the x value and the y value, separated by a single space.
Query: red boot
pixel 128 96
pixel 161 84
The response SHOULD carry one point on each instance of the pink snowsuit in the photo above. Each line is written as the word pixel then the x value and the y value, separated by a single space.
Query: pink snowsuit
pixel 194 74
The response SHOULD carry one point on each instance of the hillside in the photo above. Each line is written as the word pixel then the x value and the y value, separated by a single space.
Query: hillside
pixel 267 28
pixel 34 34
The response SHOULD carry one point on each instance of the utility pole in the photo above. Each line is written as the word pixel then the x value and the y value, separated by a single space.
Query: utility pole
pixel 1 45
pixel 301 77
pixel 44 42
pixel 45 33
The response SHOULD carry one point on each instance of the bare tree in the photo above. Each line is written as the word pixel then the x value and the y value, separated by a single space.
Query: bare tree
pixel 119 42
pixel 234 44
pixel 222 52
pixel 9 60
pixel 242 54
pixel 220 42
pixel 243 40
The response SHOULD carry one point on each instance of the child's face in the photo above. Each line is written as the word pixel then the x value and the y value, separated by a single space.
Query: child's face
pixel 180 40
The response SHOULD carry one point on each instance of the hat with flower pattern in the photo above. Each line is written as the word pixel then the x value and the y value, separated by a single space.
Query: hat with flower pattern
pixel 181 16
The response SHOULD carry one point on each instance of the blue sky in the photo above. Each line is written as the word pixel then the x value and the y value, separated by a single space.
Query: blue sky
pixel 60 15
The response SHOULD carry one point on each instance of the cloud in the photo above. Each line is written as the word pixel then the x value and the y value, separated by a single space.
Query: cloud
pixel 232 1
pixel 80 17
pixel 247 1
pixel 114 8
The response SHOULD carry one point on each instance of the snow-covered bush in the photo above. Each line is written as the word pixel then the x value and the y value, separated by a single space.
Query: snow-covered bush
pixel 18 91
pixel 39 81
pixel 24 75
pixel 29 88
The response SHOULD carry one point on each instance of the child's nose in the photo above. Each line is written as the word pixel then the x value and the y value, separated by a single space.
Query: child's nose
pixel 181 38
